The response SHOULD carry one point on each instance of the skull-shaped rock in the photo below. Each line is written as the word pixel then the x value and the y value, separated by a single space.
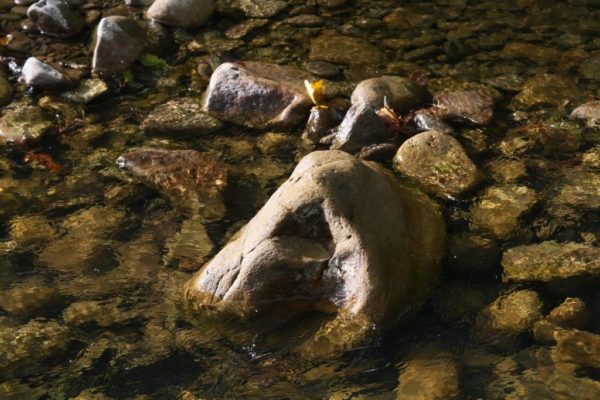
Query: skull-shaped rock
pixel 339 235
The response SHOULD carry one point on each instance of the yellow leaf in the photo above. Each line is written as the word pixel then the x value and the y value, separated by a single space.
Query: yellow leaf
pixel 315 90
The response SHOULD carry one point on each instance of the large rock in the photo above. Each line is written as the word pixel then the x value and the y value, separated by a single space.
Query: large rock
pixel 402 94
pixel 258 95
pixel 340 235
pixel 551 261
pixel 438 162
pixel 55 18
pixel 191 180
pixel 181 13
pixel 119 42
pixel 42 76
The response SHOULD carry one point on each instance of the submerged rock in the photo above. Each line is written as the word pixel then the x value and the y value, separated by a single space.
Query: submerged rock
pixel 190 247
pixel 429 373
pixel 262 8
pixel 23 125
pixel 571 313
pixel 577 347
pixel 539 139
pixel 334 237
pixel 547 90
pixel 588 112
pixel 579 190
pixel 438 162
pixel 87 91
pixel 471 106
pixel 31 298
pixel 55 18
pixel 191 180
pixel 183 116
pixel 181 13
pixel 339 49
pixel 42 76
pixel 119 42
pixel 499 209
pixel 550 261
pixel 258 95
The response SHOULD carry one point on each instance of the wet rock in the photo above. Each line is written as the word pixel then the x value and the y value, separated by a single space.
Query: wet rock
pixel 187 14
pixel 119 42
pixel 190 247
pixel 87 91
pixel 331 3
pixel 455 301
pixel 6 91
pixel 508 316
pixel 262 8
pixel 27 230
pixel 30 345
pixel 571 313
pixel 507 82
pixel 589 68
pixel 471 106
pixel 316 244
pixel 31 298
pixel 55 18
pixel 508 170
pixel 381 152
pixel 191 180
pixel 429 373
pixel 180 117
pixel 541 139
pixel 588 112
pixel 438 162
pixel 306 20
pixel 361 127
pixel 550 261
pixel 23 125
pixel 577 347
pixel 344 50
pixel 531 52
pixel 258 95
pixel 245 27
pixel 591 158
pixel 578 190
pixel 322 69
pixel 402 94
pixel 427 121
pixel 320 121
pixel 499 208
pixel 43 76
pixel 276 144
pixel 99 313
pixel 472 254
pixel 547 90
pixel 139 3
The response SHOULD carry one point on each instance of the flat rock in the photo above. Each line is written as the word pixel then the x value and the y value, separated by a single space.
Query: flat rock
pixel 589 113
pixel 499 208
pixel 191 180
pixel 181 13
pixel 547 90
pixel 24 124
pixel 402 94
pixel 550 261
pixel 55 18
pixel 332 237
pixel 119 42
pixel 42 76
pixel 258 95
pixel 540 139
pixel 438 162
pixel 344 50
pixel 471 106
pixel 87 91
pixel 180 117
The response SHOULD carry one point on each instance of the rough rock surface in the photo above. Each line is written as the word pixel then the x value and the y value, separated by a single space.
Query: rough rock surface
pixel 191 180
pixel 589 112
pixel 547 90
pixel 577 347
pixel 437 161
pixel 258 95
pixel 24 124
pixel 472 106
pixel 55 18
pixel 181 117
pixel 119 42
pixel 181 13
pixel 549 261
pixel 340 235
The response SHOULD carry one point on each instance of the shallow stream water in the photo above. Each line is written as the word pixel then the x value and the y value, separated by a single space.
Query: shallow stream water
pixel 92 262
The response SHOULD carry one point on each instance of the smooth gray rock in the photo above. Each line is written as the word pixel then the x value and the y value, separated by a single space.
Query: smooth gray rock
pixel 181 13
pixel 119 42
pixel 42 76
pixel 56 18
pixel 361 127
pixel 336 236
pixel 402 94
pixel 258 95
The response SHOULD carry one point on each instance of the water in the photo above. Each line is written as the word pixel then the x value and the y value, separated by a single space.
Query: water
pixel 92 262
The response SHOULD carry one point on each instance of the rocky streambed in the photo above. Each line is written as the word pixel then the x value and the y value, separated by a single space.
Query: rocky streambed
pixel 322 199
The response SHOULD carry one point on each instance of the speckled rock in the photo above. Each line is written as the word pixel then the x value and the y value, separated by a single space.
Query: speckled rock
pixel 578 190
pixel 499 208
pixel 192 181
pixel 181 13
pixel 550 261
pixel 506 170
pixel 23 125
pixel 571 313
pixel 471 106
pixel 258 95
pixel 577 347
pixel 262 8
pixel 180 117
pixel 31 298
pixel 539 139
pixel 344 50
pixel 119 42
pixel 588 112
pixel 547 90
pixel 438 162
pixel 31 229
pixel 87 91
pixel 55 18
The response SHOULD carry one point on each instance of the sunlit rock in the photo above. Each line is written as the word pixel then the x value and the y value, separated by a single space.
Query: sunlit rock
pixel 23 125
pixel 119 42
pixel 181 13
pixel 588 112
pixel 56 18
pixel 180 117
pixel 471 106
pixel 336 237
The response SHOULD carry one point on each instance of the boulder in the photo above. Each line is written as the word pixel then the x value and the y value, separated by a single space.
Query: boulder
pixel 258 95
pixel 438 162
pixel 55 18
pixel 119 42
pixel 42 76
pixel 181 13
pixel 340 236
